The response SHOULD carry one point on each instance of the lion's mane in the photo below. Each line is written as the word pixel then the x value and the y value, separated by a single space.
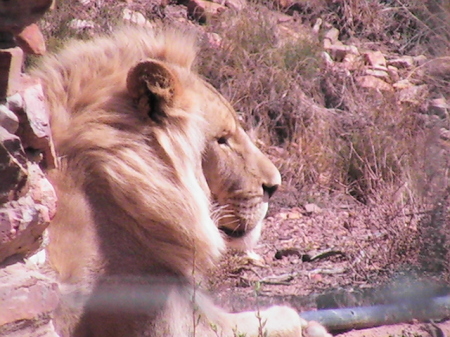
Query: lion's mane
pixel 132 198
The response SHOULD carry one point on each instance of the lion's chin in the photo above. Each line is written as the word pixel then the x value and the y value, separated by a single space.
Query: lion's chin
pixel 245 235
pixel 243 240
pixel 233 233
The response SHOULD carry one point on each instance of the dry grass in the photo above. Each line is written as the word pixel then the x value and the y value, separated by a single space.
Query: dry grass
pixel 335 135
pixel 408 26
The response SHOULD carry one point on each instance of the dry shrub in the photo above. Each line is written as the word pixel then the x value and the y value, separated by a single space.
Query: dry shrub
pixel 431 19
pixel 269 80
pixel 95 17
pixel 403 26
pixel 335 135
pixel 61 24
pixel 434 235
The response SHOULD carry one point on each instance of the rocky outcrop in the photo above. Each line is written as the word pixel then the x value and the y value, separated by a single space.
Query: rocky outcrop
pixel 375 71
pixel 27 199
pixel 28 299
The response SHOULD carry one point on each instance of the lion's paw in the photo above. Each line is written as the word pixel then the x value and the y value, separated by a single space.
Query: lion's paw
pixel 315 329
pixel 276 321
pixel 284 321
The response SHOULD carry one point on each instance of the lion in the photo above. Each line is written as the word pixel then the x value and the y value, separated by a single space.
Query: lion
pixel 156 177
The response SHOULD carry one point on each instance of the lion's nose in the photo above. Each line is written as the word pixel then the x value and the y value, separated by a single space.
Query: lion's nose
pixel 270 189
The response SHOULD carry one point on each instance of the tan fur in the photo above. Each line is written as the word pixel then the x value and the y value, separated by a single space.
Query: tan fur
pixel 140 142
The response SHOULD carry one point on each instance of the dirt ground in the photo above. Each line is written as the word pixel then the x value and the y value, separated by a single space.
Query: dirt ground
pixel 320 257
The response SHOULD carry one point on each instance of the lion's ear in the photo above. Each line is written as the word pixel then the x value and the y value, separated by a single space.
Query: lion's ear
pixel 154 87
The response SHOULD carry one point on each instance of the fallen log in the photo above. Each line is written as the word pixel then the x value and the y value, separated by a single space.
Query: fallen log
pixel 427 309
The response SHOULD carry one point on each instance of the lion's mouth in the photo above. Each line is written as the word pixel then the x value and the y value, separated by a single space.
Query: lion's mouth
pixel 233 233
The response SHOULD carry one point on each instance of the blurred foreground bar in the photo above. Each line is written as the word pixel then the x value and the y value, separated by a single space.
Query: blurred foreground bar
pixel 437 308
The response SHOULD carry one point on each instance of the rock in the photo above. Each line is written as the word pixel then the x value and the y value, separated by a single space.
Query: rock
pixel 24 219
pixel 13 168
pixel 11 61
pixel 14 15
pixel 80 25
pixel 414 94
pixel 34 129
pixel 283 4
pixel 40 257
pixel 27 300
pixel 331 35
pixel 202 10
pixel 326 58
pixel 351 61
pixel 312 208
pixel 292 214
pixel 402 62
pixel 214 39
pixel 444 134
pixel 402 84
pixel 31 40
pixel 14 102
pixel 236 5
pixel 375 59
pixel 393 73
pixel 377 73
pixel 317 25
pixel 313 328
pixel 339 51
pixel 27 199
pixel 420 59
pixel 136 18
pixel 8 119
pixel 372 82
pixel 438 107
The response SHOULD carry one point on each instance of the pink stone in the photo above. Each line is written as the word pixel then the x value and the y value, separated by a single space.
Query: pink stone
pixel 35 130
pixel 25 294
pixel 13 167
pixel 373 82
pixel 23 221
pixel 31 40
pixel 11 61
pixel 202 10
pixel 375 59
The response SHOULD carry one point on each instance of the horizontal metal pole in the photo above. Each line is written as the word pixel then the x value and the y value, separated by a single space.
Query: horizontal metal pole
pixel 422 309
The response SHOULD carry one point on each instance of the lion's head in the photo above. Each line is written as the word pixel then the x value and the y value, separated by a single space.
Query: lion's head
pixel 240 177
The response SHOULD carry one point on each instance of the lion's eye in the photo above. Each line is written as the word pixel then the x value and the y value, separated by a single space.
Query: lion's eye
pixel 222 140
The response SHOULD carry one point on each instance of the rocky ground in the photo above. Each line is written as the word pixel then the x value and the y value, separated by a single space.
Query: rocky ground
pixel 321 258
